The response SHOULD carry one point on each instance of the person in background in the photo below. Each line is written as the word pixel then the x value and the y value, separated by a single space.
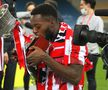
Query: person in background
pixel 61 68
pixel 8 47
pixel 95 23
pixel 29 7
pixel 11 65
pixel 53 3
pixel 4 58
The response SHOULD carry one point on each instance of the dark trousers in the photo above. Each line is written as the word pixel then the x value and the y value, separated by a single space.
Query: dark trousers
pixel 10 75
pixel 91 74
pixel 1 77
pixel 26 80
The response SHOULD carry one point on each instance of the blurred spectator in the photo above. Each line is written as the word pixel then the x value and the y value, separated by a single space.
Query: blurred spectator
pixel 30 6
pixel 8 46
pixel 95 23
pixel 11 65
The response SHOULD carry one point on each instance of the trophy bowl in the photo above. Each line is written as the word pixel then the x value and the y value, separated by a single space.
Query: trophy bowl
pixel 7 21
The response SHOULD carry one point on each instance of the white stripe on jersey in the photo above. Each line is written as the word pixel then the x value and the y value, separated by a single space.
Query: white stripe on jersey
pixel 82 53
pixel 80 87
pixel 70 86
pixel 55 48
pixel 59 38
pixel 55 86
pixel 70 50
pixel 46 83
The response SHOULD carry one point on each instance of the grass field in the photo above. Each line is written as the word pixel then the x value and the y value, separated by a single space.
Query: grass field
pixel 102 84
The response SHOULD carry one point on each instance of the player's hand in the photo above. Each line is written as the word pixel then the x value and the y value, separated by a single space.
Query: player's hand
pixel 36 56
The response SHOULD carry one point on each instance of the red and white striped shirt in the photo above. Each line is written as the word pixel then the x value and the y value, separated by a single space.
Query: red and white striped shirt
pixel 64 52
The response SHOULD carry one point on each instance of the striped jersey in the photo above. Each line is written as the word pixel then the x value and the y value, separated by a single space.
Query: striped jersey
pixel 65 52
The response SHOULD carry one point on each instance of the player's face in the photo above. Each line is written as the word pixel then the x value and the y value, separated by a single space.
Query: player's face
pixel 42 27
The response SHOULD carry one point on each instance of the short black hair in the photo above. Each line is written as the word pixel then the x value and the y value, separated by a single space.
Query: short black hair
pixel 45 10
pixel 91 2
pixel 30 3
pixel 52 3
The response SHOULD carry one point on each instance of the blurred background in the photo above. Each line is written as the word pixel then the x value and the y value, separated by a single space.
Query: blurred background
pixel 69 9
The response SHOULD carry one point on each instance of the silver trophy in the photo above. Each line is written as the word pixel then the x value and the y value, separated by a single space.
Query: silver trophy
pixel 7 21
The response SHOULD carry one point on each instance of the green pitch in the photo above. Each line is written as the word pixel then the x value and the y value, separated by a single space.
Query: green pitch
pixel 102 84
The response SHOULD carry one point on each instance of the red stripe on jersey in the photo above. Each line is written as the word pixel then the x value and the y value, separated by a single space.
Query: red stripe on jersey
pixel 75 55
pixel 50 81
pixel 40 86
pixel 76 87
pixel 79 87
pixel 58 49
pixel 63 87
